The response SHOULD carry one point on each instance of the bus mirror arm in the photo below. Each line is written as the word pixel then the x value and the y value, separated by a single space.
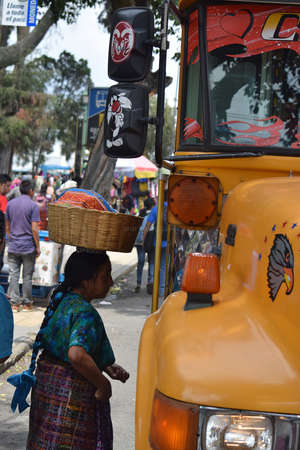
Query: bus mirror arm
pixel 152 121
pixel 161 82
pixel 152 42
pixel 148 120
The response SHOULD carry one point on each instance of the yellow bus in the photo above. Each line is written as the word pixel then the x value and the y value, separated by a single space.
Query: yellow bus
pixel 218 364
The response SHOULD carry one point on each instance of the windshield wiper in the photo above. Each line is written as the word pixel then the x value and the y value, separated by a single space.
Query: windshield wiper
pixel 214 156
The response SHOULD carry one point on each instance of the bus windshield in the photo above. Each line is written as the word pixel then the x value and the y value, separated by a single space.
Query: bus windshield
pixel 253 71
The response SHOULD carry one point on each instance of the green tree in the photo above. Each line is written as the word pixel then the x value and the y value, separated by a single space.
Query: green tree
pixel 13 130
pixel 68 81
pixel 38 137
pixel 49 92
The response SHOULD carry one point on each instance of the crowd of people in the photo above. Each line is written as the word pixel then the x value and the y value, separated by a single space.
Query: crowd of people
pixel 24 207
pixel 23 213
pixel 46 189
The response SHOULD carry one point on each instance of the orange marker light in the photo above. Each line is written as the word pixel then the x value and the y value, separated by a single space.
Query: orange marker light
pixel 193 200
pixel 174 424
pixel 201 274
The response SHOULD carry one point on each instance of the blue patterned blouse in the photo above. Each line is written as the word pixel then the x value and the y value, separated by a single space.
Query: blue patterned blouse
pixel 76 322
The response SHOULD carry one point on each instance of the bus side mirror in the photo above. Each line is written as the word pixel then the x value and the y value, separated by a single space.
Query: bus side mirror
pixel 131 42
pixel 126 121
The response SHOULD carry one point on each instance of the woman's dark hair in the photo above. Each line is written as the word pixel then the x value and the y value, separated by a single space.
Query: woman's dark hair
pixel 127 202
pixel 43 190
pixel 80 266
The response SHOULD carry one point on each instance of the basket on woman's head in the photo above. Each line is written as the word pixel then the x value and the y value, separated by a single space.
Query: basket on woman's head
pixel 84 218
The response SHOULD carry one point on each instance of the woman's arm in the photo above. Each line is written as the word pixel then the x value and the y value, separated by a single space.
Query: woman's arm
pixel 86 366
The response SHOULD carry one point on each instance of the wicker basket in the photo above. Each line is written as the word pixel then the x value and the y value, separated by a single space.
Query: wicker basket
pixel 89 228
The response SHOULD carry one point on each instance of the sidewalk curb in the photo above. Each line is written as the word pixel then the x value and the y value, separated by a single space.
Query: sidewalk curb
pixel 19 350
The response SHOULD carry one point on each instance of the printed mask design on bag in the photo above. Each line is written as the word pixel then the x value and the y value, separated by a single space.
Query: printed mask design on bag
pixel 281 266
pixel 115 118
pixel 122 42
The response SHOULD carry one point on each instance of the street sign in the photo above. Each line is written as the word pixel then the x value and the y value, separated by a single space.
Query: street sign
pixel 96 110
pixel 18 13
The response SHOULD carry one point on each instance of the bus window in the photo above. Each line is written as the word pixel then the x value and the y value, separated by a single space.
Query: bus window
pixel 255 100
pixel 193 118
pixel 253 78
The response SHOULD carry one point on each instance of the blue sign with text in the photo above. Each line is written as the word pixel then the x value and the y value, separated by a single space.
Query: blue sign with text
pixel 31 13
pixel 97 101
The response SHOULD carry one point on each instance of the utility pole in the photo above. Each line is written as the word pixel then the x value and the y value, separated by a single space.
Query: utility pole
pixel 77 168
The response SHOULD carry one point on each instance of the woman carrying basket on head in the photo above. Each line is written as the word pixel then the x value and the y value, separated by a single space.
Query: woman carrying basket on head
pixel 70 396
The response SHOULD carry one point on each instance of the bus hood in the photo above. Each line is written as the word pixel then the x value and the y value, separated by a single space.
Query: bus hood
pixel 243 351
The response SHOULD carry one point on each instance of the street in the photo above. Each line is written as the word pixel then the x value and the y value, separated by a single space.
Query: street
pixel 123 314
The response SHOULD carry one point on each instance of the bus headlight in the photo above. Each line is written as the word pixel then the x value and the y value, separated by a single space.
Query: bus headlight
pixel 176 425
pixel 238 431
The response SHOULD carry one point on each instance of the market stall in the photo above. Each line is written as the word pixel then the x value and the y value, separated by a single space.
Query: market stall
pixel 137 178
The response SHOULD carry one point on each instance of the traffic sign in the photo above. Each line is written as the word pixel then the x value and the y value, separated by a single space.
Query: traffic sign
pixel 96 110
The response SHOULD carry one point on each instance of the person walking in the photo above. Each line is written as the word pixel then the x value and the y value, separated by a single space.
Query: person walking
pixel 151 220
pixel 70 397
pixel 5 182
pixel 22 229
pixel 141 253
pixel 42 202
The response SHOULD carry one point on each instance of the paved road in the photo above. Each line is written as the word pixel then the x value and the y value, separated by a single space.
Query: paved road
pixel 124 319
pixel 29 321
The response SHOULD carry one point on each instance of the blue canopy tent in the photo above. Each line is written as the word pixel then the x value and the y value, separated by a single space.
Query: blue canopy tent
pixel 55 167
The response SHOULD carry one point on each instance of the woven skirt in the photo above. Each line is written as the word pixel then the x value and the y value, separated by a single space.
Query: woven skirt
pixel 64 413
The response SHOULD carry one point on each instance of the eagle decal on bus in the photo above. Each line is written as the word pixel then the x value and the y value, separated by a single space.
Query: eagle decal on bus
pixel 281 266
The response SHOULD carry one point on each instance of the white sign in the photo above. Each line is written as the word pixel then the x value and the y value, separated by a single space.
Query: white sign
pixel 19 13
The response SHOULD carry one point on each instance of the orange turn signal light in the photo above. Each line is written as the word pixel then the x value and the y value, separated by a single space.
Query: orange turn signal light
pixel 194 201
pixel 174 424
pixel 201 274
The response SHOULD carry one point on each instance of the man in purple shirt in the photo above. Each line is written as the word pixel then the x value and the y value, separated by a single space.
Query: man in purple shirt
pixel 22 228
